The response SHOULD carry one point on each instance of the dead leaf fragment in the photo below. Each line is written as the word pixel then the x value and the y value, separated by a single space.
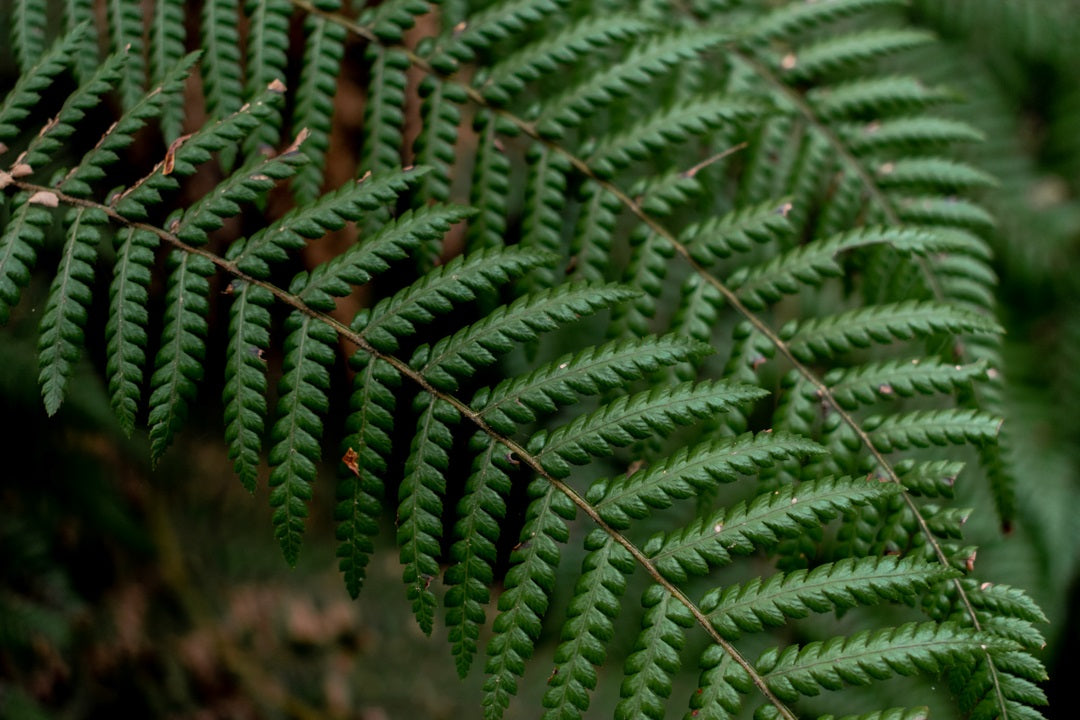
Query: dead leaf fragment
pixel 21 170
pixel 276 86
pixel 350 459
pixel 44 197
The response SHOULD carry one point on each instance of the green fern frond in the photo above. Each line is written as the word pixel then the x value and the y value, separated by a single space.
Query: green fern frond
pixel 649 669
pixel 758 286
pixel 510 74
pixel 27 89
pixel 166 48
pixel 692 471
pixel 592 241
pixel 389 20
pixel 737 231
pixel 62 325
pixel 314 110
pixel 434 147
pixel 267 42
pixel 179 362
pixel 828 56
pixel 487 27
pixel 23 236
pixel 865 657
pixel 474 552
pixel 373 256
pixel 545 199
pixel 473 347
pixel 933 427
pixel 91 168
pixel 440 290
pixel 245 378
pixel 589 626
pixel 303 400
pixel 221 70
pixel 627 419
pixel 28 32
pixel 643 62
pixel 126 38
pixel 367 447
pixel 759 603
pixel 490 184
pixel 521 400
pixel 869 383
pixel 420 507
pixel 384 114
pixel 710 541
pixel 126 331
pixel 526 594
pixel 827 337
pixel 887 95
pixel 783 23
pixel 332 211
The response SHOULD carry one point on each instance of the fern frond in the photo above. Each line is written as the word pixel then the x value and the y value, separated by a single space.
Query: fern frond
pixel 521 400
pixel 126 330
pixel 474 551
pixel 179 363
pixel 528 587
pixel 62 325
pixel 691 471
pixel 303 400
pixel 314 110
pixel 929 479
pixel 434 145
pixel 221 60
pixel 809 264
pixel 589 626
pixel 487 27
pixel 27 89
pixel 593 234
pixel 267 43
pixel 737 231
pixel 246 185
pixel 882 95
pixel 361 262
pixel 784 22
pixel 440 290
pixel 41 148
pixel 185 155
pixel 368 445
pixel 869 383
pixel 759 603
pixel 837 53
pixel 511 73
pixel 28 32
pixel 827 337
pixel 245 378
pixel 23 236
pixel 126 38
pixel 91 168
pixel 650 668
pixel 868 656
pixel 647 270
pixel 330 212
pixel 473 347
pixel 644 62
pixel 667 127
pixel 716 697
pixel 879 136
pixel 762 522
pixel 384 114
pixel 420 507
pixel 545 199
pixel 389 20
pixel 635 417
pixel 932 427
pixel 166 48
pixel 490 185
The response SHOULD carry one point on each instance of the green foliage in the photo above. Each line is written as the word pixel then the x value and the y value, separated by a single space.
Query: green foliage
pixel 724 305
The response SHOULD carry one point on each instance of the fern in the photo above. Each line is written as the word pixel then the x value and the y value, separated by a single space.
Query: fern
pixel 753 205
